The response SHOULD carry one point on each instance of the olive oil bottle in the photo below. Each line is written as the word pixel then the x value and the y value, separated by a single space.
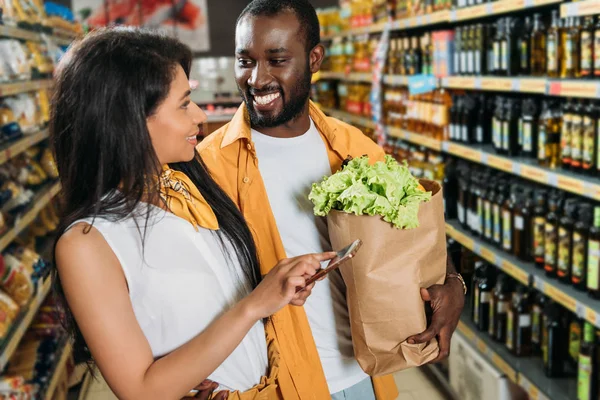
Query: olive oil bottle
pixel 593 257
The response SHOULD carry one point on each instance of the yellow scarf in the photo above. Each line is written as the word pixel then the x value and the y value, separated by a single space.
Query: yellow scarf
pixel 185 200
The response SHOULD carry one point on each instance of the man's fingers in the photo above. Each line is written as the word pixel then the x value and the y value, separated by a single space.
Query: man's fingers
pixel 444 344
pixel 423 337
pixel 425 295
pixel 222 395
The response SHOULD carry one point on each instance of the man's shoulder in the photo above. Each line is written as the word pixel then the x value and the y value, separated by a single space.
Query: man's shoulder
pixel 354 138
pixel 213 141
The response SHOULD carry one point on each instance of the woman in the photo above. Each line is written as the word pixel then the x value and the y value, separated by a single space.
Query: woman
pixel 155 262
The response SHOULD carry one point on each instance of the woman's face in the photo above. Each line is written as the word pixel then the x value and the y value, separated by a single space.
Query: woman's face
pixel 175 124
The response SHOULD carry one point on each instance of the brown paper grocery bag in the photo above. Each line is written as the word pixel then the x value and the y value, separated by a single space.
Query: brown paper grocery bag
pixel 384 281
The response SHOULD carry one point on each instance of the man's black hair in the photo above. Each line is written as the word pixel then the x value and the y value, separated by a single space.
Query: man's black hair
pixel 304 11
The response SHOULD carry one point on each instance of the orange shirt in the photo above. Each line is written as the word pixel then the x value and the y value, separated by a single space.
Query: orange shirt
pixel 230 157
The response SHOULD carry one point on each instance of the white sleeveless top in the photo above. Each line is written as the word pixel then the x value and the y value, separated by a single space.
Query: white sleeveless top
pixel 179 282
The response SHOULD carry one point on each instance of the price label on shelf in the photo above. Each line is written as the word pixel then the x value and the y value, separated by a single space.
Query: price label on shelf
pixel 591 190
pixel 504 367
pixel 534 174
pixel 501 163
pixel 570 184
pixel 532 85
pixel 579 89
pixel 489 255
pixel 515 271
pixel 561 297
pixel 554 88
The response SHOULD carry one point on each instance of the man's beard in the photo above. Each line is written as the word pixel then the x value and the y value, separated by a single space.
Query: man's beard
pixel 291 109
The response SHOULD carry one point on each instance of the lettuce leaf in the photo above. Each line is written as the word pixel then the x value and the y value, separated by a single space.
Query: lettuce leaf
pixel 386 188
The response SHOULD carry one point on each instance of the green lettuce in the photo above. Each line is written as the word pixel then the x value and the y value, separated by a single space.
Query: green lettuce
pixel 385 188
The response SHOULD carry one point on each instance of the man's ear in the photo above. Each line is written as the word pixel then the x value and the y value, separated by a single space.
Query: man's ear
pixel 317 54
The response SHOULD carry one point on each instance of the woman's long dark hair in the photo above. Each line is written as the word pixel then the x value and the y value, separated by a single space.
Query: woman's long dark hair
pixel 107 85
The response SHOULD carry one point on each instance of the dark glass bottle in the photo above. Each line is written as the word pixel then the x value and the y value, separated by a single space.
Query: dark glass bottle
pixel 577 136
pixel 502 297
pixel 586 48
pixel 510 128
pixel 450 186
pixel 507 220
pixel 538 223
pixel 565 135
pixel 497 213
pixel 463 199
pixel 484 294
pixel 593 258
pixel 580 241
pixel 528 127
pixel 457 50
pixel 482 129
pixel 554 337
pixel 525 48
pixel 538 47
pixel 589 155
pixel 488 221
pixel 575 330
pixel 565 241
pixel 498 47
pixel 473 198
pixel 518 332
pixel 523 226
pixel 498 124
pixel 587 372
pixel 551 238
pixel 537 321
pixel 553 53
pixel 597 48
pixel 480 52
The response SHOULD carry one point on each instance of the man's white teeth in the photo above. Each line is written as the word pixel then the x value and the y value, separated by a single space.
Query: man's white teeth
pixel 191 137
pixel 262 100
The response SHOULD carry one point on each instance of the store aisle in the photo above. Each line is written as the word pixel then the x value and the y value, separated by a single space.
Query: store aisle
pixel 414 384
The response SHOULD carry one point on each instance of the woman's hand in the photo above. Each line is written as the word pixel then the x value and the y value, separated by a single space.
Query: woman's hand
pixel 278 287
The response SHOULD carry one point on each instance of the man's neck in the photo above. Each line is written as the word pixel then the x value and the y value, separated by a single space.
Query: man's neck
pixel 294 128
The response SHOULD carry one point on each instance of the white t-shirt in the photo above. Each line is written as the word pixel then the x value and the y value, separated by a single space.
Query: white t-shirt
pixel 288 168
pixel 179 282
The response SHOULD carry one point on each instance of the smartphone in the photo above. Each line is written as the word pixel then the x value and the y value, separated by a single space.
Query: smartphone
pixel 341 257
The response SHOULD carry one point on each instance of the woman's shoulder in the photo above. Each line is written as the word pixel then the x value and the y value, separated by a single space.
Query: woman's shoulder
pixel 82 240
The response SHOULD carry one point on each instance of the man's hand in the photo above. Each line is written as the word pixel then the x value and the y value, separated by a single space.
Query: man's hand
pixel 206 389
pixel 447 302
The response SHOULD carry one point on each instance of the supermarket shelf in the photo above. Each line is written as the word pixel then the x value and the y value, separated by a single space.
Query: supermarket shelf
pixel 398 80
pixel 526 372
pixel 9 89
pixel 374 28
pixel 578 302
pixel 42 199
pixel 496 83
pixel 9 347
pixel 58 371
pixel 438 17
pixel 15 148
pixel 496 8
pixel 419 21
pixel 580 8
pixel 526 168
pixel 415 138
pixel 574 88
pixel 551 87
pixel 24 34
pixel 18 33
pixel 351 77
pixel 353 119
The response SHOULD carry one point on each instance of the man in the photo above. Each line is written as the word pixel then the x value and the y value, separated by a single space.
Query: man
pixel 266 159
